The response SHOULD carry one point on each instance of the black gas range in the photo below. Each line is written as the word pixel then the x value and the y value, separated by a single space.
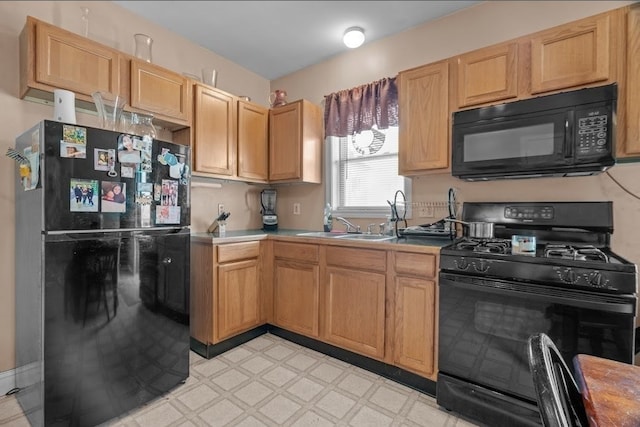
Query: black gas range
pixel 571 246
pixel 549 268
pixel 570 265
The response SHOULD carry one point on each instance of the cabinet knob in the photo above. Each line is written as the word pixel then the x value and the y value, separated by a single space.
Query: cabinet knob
pixel 167 261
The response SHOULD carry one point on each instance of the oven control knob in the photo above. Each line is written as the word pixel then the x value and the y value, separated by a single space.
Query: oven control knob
pixel 596 279
pixel 463 264
pixel 569 276
pixel 481 267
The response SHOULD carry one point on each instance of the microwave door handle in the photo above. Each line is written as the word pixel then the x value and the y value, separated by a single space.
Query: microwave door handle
pixel 568 135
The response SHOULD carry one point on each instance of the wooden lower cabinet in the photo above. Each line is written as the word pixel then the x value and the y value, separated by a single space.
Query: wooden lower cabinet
pixel 414 347
pixel 379 303
pixel 296 287
pixel 226 288
pixel 354 300
pixel 415 319
pixel 238 298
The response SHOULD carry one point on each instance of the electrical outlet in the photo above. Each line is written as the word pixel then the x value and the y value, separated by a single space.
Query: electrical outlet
pixel 220 208
pixel 426 212
pixel 296 208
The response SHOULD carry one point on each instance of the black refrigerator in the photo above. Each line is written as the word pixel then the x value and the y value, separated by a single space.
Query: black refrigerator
pixel 102 272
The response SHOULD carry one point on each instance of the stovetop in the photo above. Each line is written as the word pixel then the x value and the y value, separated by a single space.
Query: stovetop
pixel 564 244
pixel 565 251
pixel 571 265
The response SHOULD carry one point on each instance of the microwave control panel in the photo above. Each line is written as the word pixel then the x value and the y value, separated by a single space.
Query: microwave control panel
pixel 592 132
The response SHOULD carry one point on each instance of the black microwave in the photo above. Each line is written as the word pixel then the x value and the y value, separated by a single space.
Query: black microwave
pixel 565 134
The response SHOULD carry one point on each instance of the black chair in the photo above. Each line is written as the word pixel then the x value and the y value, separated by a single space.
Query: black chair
pixel 559 399
pixel 100 264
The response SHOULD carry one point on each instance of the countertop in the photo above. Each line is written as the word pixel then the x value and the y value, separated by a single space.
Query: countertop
pixel 610 390
pixel 249 235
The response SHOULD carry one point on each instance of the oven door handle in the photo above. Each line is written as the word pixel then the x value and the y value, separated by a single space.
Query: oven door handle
pixel 572 298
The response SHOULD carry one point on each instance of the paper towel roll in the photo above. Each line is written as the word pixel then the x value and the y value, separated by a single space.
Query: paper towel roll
pixel 64 109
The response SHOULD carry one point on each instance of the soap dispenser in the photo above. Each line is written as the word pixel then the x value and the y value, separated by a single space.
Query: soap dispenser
pixel 328 219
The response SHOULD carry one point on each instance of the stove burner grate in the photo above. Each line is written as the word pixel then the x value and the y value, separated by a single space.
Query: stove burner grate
pixel 494 246
pixel 578 253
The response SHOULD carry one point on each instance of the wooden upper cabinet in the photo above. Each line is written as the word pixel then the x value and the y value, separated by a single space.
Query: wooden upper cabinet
pixel 53 58
pixel 231 136
pixel 160 91
pixel 631 145
pixel 253 142
pixel 295 143
pixel 486 75
pixel 582 53
pixel 572 55
pixel 214 150
pixel 423 100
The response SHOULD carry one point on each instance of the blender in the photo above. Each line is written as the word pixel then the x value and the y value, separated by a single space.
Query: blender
pixel 269 217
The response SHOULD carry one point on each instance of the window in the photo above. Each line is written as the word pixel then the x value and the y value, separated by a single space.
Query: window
pixel 362 173
pixel 361 125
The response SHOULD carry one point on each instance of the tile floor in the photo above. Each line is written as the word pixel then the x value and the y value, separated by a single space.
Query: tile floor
pixel 269 381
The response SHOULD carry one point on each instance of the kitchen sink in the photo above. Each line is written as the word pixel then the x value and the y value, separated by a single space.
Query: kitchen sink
pixel 328 234
pixel 368 237
pixel 347 236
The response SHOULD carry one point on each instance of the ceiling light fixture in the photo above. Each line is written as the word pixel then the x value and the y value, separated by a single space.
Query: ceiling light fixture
pixel 353 37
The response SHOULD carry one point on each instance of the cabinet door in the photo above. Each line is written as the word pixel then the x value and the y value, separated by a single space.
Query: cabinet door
pixel 285 130
pixel 202 295
pixel 296 296
pixel 423 100
pixel 160 91
pixel 415 323
pixel 238 298
pixel 487 75
pixel 355 310
pixel 571 55
pixel 215 132
pixel 253 147
pixel 68 61
pixel 631 145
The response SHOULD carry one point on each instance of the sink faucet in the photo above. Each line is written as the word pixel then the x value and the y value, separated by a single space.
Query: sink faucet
pixel 351 228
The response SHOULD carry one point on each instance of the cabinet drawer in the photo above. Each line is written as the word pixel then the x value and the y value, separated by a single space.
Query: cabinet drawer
pixel 238 251
pixel 423 265
pixel 362 259
pixel 296 251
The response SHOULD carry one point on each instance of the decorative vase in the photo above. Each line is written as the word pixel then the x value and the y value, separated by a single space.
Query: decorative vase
pixel 143 47
pixel 142 125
